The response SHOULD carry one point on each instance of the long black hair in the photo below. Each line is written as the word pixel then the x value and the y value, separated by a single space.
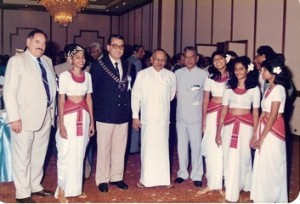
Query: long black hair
pixel 215 74
pixel 277 67
pixel 252 74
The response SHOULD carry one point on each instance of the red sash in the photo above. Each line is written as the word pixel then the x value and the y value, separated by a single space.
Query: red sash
pixel 278 128
pixel 212 107
pixel 71 107
pixel 236 120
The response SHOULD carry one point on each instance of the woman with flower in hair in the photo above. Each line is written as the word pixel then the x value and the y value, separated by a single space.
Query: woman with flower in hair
pixel 269 178
pixel 240 112
pixel 76 125
pixel 212 104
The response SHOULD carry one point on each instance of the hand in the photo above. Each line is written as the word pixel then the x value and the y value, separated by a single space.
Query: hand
pixel 252 141
pixel 218 140
pixel 63 132
pixel 16 126
pixel 258 143
pixel 136 123
pixel 91 130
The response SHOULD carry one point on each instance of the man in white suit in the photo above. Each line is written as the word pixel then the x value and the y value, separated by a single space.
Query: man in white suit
pixel 29 96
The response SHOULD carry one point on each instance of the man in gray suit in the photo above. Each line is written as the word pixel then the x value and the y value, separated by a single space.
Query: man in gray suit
pixel 29 96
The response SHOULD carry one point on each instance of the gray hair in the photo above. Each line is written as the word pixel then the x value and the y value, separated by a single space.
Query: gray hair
pixel 95 45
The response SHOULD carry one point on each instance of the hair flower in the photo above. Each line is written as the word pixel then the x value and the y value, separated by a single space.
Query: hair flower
pixel 277 70
pixel 250 67
pixel 228 58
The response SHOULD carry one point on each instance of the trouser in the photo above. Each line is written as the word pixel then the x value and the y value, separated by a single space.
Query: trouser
pixel 111 141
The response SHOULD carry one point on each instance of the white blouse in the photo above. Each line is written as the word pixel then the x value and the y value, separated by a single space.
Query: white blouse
pixel 70 87
pixel 277 94
pixel 245 100
pixel 216 88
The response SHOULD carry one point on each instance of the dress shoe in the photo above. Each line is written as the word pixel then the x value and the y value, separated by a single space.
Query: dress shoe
pixel 43 193
pixel 120 184
pixel 179 180
pixel 198 183
pixel 25 200
pixel 103 187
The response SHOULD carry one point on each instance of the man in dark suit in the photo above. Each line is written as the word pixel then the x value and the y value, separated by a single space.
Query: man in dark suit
pixel 112 113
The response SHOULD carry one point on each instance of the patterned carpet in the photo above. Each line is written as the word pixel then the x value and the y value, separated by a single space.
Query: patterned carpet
pixel 181 193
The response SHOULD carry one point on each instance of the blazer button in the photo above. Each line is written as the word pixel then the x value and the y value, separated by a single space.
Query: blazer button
pixel 119 104
pixel 119 96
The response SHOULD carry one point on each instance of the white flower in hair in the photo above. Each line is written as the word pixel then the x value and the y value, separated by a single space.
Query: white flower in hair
pixel 277 70
pixel 228 58
pixel 250 67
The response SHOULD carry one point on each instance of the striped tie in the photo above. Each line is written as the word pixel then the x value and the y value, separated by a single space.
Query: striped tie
pixel 45 80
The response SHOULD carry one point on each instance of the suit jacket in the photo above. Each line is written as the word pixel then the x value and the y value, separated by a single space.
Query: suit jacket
pixel 24 93
pixel 111 105
pixel 60 68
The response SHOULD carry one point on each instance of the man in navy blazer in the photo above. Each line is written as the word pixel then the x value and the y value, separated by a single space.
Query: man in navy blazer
pixel 111 99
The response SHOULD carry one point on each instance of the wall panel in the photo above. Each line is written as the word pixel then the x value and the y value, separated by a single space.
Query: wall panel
pixel 1 31
pixel 204 18
pixel 155 23
pixel 243 23
pixel 115 27
pixel 270 24
pixel 89 28
pixel 146 27
pixel 178 26
pixel 292 39
pixel 221 20
pixel 131 29
pixel 168 22
pixel 125 27
pixel 188 23
pixel 18 24
pixel 138 18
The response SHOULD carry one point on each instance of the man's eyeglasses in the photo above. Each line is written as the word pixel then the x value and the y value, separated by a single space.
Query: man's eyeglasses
pixel 115 46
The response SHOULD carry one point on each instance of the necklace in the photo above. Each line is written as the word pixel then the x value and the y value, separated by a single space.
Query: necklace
pixel 76 78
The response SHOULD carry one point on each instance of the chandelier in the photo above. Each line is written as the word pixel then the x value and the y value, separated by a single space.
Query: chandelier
pixel 63 11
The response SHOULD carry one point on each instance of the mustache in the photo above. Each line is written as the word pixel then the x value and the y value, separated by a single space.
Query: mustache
pixel 39 48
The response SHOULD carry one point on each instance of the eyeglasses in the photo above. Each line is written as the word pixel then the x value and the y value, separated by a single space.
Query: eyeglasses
pixel 115 46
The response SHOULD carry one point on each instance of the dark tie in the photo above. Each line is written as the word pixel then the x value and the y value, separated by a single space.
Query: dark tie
pixel 117 69
pixel 45 80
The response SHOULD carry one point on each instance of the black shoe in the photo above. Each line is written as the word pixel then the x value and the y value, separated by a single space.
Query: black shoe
pixel 103 187
pixel 198 183
pixel 120 184
pixel 43 193
pixel 25 200
pixel 179 180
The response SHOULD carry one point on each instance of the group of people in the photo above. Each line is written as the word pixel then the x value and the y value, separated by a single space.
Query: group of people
pixel 237 116
pixel 223 103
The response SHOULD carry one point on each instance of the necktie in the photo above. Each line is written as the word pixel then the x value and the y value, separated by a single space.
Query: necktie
pixel 117 69
pixel 45 80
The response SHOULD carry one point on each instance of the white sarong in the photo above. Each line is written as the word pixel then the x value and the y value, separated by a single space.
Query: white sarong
pixel 237 161
pixel 212 153
pixel 70 155
pixel 269 178
pixel 155 155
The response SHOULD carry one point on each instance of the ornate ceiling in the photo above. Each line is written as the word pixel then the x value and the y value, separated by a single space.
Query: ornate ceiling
pixel 111 7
